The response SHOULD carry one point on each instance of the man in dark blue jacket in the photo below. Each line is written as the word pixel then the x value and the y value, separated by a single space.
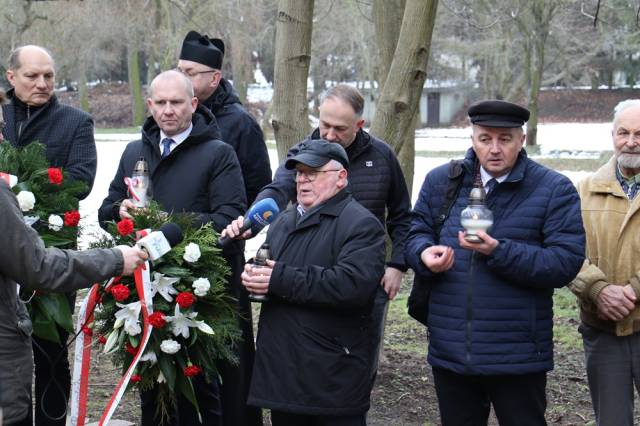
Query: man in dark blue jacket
pixel 34 114
pixel 490 308
pixel 191 171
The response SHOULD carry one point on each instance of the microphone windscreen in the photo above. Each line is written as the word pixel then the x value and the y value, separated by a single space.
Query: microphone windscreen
pixel 172 233
pixel 262 214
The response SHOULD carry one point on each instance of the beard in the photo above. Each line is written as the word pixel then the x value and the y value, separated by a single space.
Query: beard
pixel 629 159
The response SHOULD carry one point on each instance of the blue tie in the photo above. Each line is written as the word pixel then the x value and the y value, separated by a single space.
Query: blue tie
pixel 166 147
pixel 491 185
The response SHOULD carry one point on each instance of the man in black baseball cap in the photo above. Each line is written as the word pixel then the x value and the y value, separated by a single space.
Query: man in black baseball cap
pixel 316 153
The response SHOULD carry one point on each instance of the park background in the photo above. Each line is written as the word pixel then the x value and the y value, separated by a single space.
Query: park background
pixel 419 63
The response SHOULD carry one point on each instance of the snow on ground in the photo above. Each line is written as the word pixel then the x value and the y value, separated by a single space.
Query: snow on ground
pixel 567 140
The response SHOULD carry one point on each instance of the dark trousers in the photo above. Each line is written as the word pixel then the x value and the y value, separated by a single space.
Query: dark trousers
pixel 518 400
pixel 52 376
pixel 280 418
pixel 185 414
pixel 236 379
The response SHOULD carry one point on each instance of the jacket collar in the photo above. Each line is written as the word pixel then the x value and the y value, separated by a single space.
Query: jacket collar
pixel 516 174
pixel 10 114
pixel 359 145
pixel 332 207
pixel 604 180
pixel 225 94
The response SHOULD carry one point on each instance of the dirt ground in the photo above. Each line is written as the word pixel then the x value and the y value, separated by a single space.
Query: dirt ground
pixel 404 393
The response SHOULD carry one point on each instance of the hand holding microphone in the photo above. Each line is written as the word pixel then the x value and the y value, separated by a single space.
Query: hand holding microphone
pixel 259 215
pixel 158 243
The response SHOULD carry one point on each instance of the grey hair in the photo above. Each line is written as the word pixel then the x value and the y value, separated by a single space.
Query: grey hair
pixel 348 94
pixel 335 164
pixel 14 57
pixel 171 74
pixel 623 105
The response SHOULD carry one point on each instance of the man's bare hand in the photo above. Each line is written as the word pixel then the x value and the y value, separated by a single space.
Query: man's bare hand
pixel 391 281
pixel 233 230
pixel 133 257
pixel 616 302
pixel 486 247
pixel 125 206
pixel 256 279
pixel 437 258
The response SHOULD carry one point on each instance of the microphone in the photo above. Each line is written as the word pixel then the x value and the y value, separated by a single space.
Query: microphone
pixel 259 215
pixel 160 242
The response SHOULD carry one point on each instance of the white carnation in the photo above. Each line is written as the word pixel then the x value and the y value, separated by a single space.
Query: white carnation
pixel 26 200
pixel 192 253
pixel 201 286
pixel 55 222
pixel 169 346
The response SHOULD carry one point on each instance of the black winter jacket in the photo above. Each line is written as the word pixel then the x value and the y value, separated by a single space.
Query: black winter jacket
pixel 375 180
pixel 240 130
pixel 66 131
pixel 201 175
pixel 316 338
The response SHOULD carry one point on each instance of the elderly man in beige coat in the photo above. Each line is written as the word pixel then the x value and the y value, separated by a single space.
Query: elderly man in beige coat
pixel 608 286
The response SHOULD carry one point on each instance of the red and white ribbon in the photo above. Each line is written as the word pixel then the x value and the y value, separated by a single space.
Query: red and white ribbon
pixel 80 380
pixel 131 184
pixel 82 357
pixel 11 180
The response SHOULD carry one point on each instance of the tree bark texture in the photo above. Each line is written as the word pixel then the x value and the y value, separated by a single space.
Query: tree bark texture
pixel 400 97
pixel 289 118
pixel 135 85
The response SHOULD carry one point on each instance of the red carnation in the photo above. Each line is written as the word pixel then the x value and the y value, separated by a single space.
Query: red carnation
pixel 125 227
pixel 86 330
pixel 120 292
pixel 102 340
pixel 136 378
pixel 71 218
pixel 192 370
pixel 131 349
pixel 55 175
pixel 157 320
pixel 185 299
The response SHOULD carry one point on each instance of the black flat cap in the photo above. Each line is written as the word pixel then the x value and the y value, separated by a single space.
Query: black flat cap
pixel 317 153
pixel 494 113
pixel 203 50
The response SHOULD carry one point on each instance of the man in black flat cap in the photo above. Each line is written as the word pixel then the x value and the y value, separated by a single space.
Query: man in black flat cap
pixel 201 61
pixel 317 340
pixel 490 314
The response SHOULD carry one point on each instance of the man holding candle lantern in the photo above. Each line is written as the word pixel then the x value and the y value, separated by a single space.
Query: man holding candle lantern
pixel 490 307
pixel 608 284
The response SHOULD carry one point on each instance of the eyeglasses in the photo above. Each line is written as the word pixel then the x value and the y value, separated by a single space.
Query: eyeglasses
pixel 192 74
pixel 311 175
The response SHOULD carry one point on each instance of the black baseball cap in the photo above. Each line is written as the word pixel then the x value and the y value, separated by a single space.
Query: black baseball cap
pixel 316 153
pixel 495 113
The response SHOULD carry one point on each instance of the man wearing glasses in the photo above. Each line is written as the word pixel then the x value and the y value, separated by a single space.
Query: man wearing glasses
pixel 201 61
pixel 317 341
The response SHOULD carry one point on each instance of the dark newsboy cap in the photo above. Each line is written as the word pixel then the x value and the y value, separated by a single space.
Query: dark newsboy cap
pixel 496 113
pixel 316 153
pixel 203 50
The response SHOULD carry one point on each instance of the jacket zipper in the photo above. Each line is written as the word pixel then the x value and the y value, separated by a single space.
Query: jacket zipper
pixel 469 310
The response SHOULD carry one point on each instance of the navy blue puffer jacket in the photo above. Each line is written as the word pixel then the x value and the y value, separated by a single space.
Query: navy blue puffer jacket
pixel 493 314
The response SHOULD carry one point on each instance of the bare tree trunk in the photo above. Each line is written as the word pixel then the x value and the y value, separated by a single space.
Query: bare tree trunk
pixel 135 85
pixel 289 118
pixel 241 64
pixel 387 17
pixel 82 88
pixel 400 96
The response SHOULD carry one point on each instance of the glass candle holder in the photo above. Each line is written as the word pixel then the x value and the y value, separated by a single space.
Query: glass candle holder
pixel 476 216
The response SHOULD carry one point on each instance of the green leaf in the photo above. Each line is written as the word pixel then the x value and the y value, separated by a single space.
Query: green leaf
pixel 56 306
pixel 174 271
pixel 168 370
pixel 44 327
pixel 186 387
pixel 56 241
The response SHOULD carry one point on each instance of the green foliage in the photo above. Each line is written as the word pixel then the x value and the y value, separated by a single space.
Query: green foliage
pixel 216 309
